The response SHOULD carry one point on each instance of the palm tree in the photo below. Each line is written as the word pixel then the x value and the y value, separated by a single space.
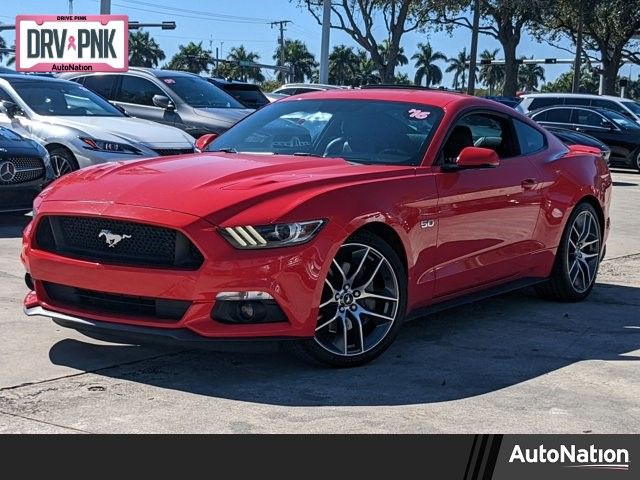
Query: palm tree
pixel 144 51
pixel 425 64
pixel 191 57
pixel 366 71
pixel 529 75
pixel 491 75
pixel 401 58
pixel 297 57
pixel 343 64
pixel 459 66
pixel 11 58
pixel 240 55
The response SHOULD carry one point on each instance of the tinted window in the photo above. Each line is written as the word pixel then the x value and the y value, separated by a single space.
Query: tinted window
pixel 286 91
pixel 488 131
pixel 577 101
pixel 559 115
pixel 5 96
pixel 137 90
pixel 540 117
pixel 633 106
pixel 610 105
pixel 305 90
pixel 530 139
pixel 249 97
pixel 541 102
pixel 199 93
pixel 622 121
pixel 587 117
pixel 101 84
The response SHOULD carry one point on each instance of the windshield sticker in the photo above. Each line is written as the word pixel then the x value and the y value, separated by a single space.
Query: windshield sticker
pixel 169 80
pixel 418 114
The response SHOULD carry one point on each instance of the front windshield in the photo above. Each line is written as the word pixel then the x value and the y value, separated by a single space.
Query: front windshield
pixel 622 121
pixel 361 131
pixel 63 99
pixel 633 106
pixel 199 93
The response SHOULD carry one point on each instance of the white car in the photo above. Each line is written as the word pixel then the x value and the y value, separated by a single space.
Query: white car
pixel 80 128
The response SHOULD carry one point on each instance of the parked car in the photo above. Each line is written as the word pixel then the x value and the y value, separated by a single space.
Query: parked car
pixel 618 132
pixel 178 99
pixel 571 137
pixel 508 101
pixel 298 88
pixel 78 127
pixel 248 94
pixel 328 245
pixel 536 101
pixel 24 170
pixel 274 97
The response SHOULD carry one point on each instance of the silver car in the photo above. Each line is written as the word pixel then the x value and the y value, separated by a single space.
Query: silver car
pixel 80 128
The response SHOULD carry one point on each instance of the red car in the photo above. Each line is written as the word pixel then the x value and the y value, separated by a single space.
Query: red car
pixel 326 219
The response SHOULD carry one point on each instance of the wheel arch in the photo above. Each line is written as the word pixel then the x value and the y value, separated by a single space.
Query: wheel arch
pixel 53 145
pixel 593 201
pixel 389 235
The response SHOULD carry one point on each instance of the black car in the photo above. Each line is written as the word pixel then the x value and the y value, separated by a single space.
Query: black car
pixel 571 137
pixel 24 171
pixel 179 99
pixel 248 94
pixel 618 132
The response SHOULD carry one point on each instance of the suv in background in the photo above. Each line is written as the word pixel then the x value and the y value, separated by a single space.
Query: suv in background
pixel 536 101
pixel 298 88
pixel 247 94
pixel 179 99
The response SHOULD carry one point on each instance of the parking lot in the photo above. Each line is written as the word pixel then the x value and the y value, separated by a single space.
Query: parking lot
pixel 510 364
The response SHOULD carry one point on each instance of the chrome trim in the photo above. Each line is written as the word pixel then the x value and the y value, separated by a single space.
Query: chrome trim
pixel 35 311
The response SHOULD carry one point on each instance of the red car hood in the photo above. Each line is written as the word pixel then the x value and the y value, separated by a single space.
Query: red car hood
pixel 207 184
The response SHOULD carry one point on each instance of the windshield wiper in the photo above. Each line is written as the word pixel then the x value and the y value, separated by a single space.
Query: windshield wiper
pixel 305 154
pixel 225 150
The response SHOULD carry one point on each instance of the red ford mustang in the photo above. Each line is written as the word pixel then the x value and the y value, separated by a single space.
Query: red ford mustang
pixel 326 219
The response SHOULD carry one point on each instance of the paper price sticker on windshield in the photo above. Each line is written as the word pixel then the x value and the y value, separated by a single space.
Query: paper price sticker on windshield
pixel 72 43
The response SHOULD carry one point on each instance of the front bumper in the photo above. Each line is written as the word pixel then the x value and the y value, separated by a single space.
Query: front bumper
pixel 292 276
pixel 19 197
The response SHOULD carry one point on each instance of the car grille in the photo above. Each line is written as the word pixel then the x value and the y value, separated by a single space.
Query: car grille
pixel 117 242
pixel 172 151
pixel 116 304
pixel 25 169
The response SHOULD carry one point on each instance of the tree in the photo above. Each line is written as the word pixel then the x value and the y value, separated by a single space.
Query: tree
pixel 297 57
pixel 11 58
pixel 191 57
pixel 343 65
pixel 357 19
pixel 491 75
pixel 504 20
pixel 366 72
pixel 529 75
pixel 401 58
pixel 459 66
pixel 402 79
pixel 239 55
pixel 144 51
pixel 426 66
pixel 588 82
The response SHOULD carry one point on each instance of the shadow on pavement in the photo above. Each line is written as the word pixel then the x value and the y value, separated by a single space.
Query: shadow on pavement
pixel 12 224
pixel 461 353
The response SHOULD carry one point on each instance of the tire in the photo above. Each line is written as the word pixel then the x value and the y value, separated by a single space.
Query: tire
pixel 62 161
pixel 372 323
pixel 636 162
pixel 578 258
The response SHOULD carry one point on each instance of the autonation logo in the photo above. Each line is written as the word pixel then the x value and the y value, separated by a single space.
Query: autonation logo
pixel 573 457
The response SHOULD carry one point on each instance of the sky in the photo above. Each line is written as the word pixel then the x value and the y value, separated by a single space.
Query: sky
pixel 230 23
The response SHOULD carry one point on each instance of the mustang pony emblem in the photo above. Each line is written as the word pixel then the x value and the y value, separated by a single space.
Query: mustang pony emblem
pixel 112 239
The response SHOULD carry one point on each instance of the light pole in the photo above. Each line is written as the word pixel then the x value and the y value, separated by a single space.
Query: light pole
pixel 471 86
pixel 324 50
pixel 105 7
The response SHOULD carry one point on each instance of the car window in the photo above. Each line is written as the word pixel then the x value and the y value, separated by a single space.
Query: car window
pixel 541 116
pixel 253 98
pixel 622 120
pixel 137 90
pixel 586 117
pixel 199 93
pixel 577 101
pixel 529 139
pixel 286 91
pixel 305 90
pixel 633 106
pixel 616 107
pixel 5 96
pixel 559 115
pixel 101 84
pixel 541 102
pixel 485 130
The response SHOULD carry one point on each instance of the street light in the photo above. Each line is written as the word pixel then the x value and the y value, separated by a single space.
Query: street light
pixel 163 25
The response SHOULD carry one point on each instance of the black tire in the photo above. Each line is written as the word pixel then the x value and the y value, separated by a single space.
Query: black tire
pixel 313 350
pixel 560 286
pixel 636 161
pixel 60 156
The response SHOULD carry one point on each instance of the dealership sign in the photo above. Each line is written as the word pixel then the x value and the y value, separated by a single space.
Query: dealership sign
pixel 71 43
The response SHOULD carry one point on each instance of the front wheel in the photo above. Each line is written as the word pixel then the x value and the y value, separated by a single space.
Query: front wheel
pixel 578 258
pixel 62 161
pixel 362 304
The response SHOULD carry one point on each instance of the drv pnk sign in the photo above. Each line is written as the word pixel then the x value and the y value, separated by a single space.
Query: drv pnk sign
pixel 71 43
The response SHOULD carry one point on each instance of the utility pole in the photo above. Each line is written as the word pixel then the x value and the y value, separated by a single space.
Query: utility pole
pixel 471 86
pixel 282 24
pixel 578 61
pixel 70 7
pixel 105 7
pixel 324 50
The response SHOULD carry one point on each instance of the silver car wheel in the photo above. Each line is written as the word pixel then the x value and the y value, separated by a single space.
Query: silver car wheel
pixel 61 165
pixel 583 254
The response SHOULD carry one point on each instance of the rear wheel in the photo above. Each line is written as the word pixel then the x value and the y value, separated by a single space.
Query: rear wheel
pixel 362 304
pixel 62 161
pixel 578 258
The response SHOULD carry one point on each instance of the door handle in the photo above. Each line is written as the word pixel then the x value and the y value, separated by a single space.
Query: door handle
pixel 529 183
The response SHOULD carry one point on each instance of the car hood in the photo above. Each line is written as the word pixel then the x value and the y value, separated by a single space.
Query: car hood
pixel 11 146
pixel 228 116
pixel 215 186
pixel 128 129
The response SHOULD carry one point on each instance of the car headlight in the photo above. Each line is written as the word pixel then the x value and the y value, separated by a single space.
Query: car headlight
pixel 107 146
pixel 271 236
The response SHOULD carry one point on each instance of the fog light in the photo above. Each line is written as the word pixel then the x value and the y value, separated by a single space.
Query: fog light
pixel 256 310
pixel 238 296
pixel 247 310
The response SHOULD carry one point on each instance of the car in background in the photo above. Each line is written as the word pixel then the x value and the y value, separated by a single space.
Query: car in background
pixel 571 137
pixel 24 170
pixel 248 94
pixel 618 132
pixel 179 99
pixel 274 97
pixel 79 128
pixel 298 88
pixel 536 101
pixel 508 101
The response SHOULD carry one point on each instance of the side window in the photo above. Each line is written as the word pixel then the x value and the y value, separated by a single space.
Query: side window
pixel 540 117
pixel 101 84
pixel 530 139
pixel 586 117
pixel 480 130
pixel 541 102
pixel 5 96
pixel 616 107
pixel 559 115
pixel 577 101
pixel 287 91
pixel 137 90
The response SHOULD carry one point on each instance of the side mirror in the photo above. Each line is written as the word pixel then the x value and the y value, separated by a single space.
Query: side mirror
pixel 163 102
pixel 607 124
pixel 10 108
pixel 477 157
pixel 203 142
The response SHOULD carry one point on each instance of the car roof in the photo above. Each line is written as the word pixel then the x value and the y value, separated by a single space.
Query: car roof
pixel 581 107
pixel 18 77
pixel 319 86
pixel 575 95
pixel 159 73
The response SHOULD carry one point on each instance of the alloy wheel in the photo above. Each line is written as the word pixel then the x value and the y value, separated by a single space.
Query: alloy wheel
pixel 359 303
pixel 61 165
pixel 583 252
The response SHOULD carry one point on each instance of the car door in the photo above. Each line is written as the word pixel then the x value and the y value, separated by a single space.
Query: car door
pixel 554 117
pixel 486 216
pixel 135 95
